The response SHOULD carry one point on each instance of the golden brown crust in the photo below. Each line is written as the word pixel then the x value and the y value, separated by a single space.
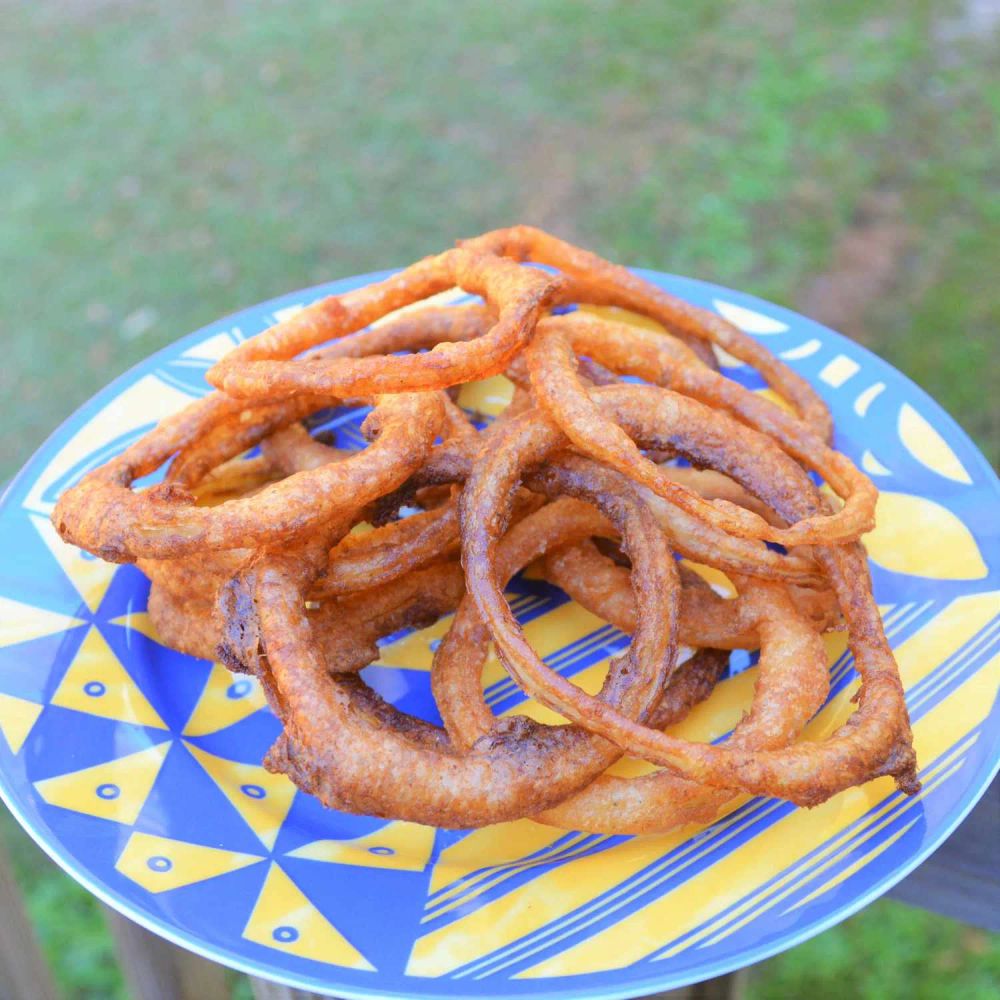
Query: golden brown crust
pixel 260 368
pixel 627 350
pixel 267 563
pixel 877 738
pixel 589 278
pixel 386 772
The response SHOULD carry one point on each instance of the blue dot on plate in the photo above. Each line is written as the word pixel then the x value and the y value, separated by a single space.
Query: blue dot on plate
pixel 238 689
pixel 384 851
pixel 108 791
pixel 253 791
pixel 158 863
pixel 94 689
pixel 285 934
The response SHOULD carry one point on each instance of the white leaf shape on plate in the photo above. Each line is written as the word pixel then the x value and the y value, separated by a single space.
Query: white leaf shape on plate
pixel 214 348
pixel 748 320
pixel 867 397
pixel 804 350
pixel 725 359
pixel 873 466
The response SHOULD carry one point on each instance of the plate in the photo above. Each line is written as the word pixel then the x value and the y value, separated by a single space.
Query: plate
pixel 138 769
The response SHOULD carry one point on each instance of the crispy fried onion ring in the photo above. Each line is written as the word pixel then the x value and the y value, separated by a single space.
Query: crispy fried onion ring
pixel 265 367
pixel 551 358
pixel 182 599
pixel 413 331
pixel 588 278
pixel 596 583
pixel 458 662
pixel 875 741
pixel 103 515
pixel 451 462
pixel 358 754
pixel 792 685
pixel 272 549
pixel 345 631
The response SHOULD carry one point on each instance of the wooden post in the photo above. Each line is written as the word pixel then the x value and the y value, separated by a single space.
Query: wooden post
pixel 157 970
pixel 23 972
pixel 731 987
pixel 264 989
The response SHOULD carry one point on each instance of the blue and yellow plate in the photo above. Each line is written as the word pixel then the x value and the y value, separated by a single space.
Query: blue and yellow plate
pixel 138 769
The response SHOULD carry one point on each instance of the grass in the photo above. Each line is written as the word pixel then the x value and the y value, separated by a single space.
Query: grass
pixel 164 165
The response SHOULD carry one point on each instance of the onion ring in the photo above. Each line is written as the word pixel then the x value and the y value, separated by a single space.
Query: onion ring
pixel 346 631
pixel 877 738
pixel 354 759
pixel 459 659
pixel 412 331
pixel 103 515
pixel 271 564
pixel 630 350
pixel 260 367
pixel 452 461
pixel 599 282
pixel 601 587
pixel 791 686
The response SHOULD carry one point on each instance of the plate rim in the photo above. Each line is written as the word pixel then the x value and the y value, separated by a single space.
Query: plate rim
pixel 986 772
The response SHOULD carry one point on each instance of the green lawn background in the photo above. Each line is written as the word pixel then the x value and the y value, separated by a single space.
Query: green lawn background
pixel 162 165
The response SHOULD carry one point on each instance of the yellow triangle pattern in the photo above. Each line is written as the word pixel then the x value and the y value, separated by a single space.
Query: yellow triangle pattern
pixel 400 846
pixel 159 863
pixel 138 621
pixel 225 701
pixel 91 576
pixel 284 919
pixel 115 790
pixel 17 717
pixel 261 798
pixel 97 684
pixel 415 650
pixel 22 622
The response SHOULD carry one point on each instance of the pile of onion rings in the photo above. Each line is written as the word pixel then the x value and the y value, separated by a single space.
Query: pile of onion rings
pixel 659 495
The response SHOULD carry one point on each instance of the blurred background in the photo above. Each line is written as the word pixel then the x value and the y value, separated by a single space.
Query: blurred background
pixel 164 164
